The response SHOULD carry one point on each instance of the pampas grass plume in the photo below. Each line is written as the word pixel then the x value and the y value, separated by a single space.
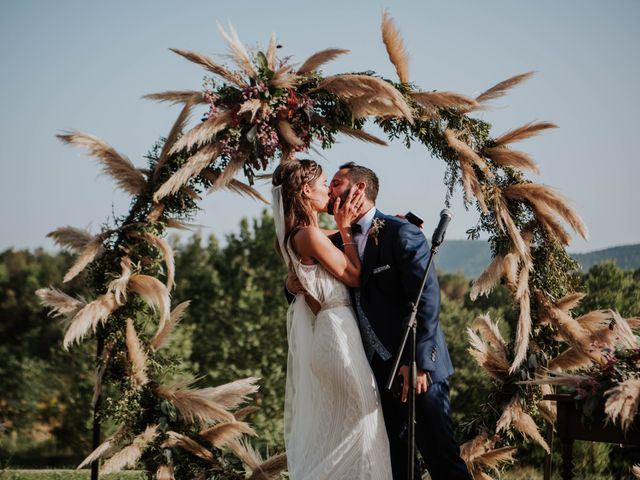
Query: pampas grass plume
pixel 320 58
pixel 154 292
pixel 395 47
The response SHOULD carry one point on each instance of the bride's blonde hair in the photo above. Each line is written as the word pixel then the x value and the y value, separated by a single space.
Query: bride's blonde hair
pixel 292 176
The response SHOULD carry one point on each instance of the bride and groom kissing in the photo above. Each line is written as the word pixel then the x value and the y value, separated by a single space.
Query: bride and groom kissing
pixel 350 292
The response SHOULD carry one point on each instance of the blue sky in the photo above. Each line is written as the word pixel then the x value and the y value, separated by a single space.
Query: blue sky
pixel 85 65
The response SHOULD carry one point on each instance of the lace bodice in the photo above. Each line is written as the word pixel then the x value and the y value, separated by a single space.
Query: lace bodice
pixel 324 287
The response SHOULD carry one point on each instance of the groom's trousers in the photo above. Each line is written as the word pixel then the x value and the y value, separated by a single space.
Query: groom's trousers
pixel 434 430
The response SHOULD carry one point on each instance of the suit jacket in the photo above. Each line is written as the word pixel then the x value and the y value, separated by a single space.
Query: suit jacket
pixel 392 270
pixel 393 267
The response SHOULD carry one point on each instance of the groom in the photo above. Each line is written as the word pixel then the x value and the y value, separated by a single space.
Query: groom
pixel 394 256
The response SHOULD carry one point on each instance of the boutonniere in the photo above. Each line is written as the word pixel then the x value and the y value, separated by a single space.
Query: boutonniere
pixel 376 226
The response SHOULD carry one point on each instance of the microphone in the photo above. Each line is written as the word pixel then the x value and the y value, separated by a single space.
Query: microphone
pixel 438 234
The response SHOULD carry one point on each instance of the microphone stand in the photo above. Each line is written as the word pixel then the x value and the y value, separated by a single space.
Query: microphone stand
pixel 410 330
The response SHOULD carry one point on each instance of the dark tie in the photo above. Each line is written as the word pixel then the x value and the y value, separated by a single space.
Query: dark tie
pixel 370 340
pixel 356 228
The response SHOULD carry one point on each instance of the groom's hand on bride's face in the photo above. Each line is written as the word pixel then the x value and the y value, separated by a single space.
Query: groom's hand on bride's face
pixel 421 382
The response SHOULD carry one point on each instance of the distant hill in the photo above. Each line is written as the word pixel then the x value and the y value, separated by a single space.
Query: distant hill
pixel 626 256
pixel 471 257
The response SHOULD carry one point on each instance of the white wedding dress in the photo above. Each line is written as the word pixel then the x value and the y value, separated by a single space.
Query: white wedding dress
pixel 334 428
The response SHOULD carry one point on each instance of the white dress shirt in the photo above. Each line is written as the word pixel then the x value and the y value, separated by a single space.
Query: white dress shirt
pixel 365 223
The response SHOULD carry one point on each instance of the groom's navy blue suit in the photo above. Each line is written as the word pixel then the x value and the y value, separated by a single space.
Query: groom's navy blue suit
pixel 393 266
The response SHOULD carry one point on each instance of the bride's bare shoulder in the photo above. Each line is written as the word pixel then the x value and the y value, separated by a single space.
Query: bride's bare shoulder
pixel 306 240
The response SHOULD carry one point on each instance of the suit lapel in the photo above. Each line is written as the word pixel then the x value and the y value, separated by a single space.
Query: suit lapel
pixel 370 252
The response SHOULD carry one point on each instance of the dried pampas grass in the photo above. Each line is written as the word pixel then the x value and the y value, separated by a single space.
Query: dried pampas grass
pixel 154 292
pixel 232 394
pixel 493 362
pixel 167 255
pixel 119 285
pixel 395 48
pixel 73 238
pixel 271 51
pixel 245 412
pixel 483 285
pixel 505 223
pixel 570 301
pixel 320 58
pixel 288 134
pixel 570 359
pixel 351 86
pixel 211 65
pixel 238 52
pixel 283 78
pixel 364 106
pixel 251 106
pixel 540 196
pixel 491 333
pixel 468 157
pixel 511 158
pixel 192 167
pixel 137 356
pixel 260 469
pixel 271 468
pixel 523 332
pixel 59 302
pixel 242 188
pixel 624 333
pixel 233 185
pixel 225 178
pixel 129 456
pixel 495 458
pixel 510 268
pixel 361 135
pixel 220 435
pixel 433 100
pixel 194 405
pixel 622 402
pixel 246 453
pixel 479 453
pixel 161 337
pixel 177 96
pixel 175 439
pixel 165 472
pixel 172 138
pixel 521 133
pixel 105 448
pixel 572 332
pixel 119 167
pixel 92 250
pixel 88 318
pixel 501 88
pixel 513 415
pixel 204 132
pixel 547 408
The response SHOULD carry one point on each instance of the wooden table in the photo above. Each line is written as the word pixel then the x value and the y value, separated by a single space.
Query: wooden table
pixel 570 428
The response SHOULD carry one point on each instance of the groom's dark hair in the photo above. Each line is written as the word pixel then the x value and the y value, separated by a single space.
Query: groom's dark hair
pixel 358 173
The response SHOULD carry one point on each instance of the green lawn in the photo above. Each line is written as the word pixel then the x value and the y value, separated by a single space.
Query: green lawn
pixel 65 475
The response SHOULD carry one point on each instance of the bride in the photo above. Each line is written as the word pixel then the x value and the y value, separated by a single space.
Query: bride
pixel 334 428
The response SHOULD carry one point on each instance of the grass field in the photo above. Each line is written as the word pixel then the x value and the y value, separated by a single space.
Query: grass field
pixel 65 475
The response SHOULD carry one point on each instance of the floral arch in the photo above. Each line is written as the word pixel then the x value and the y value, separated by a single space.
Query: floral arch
pixel 257 114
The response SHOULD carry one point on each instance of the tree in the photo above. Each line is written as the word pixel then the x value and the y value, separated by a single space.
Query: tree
pixel 238 312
